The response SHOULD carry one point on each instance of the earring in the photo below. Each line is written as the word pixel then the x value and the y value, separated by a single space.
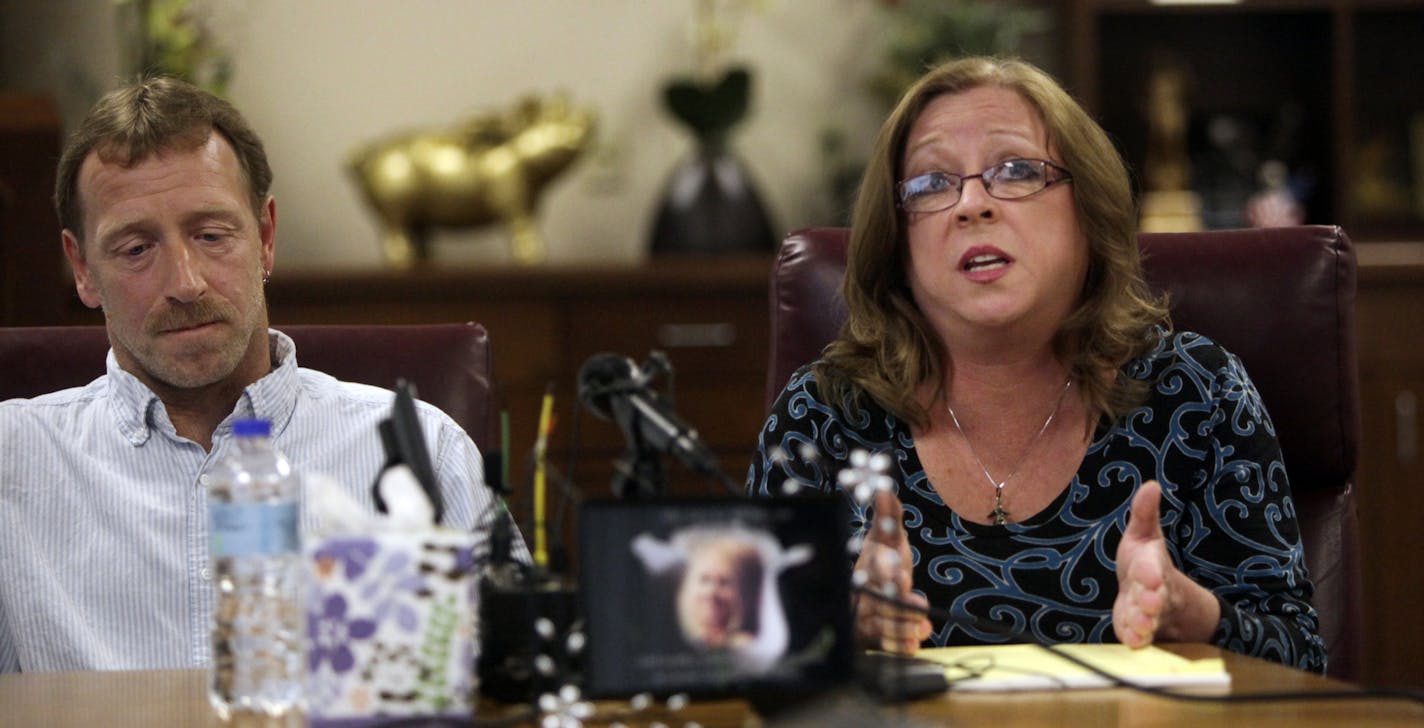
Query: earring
pixel 266 276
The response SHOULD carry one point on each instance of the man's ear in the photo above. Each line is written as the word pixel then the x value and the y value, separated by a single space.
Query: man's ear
pixel 83 283
pixel 267 229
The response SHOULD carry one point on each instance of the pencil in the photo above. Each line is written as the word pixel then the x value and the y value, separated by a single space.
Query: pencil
pixel 541 445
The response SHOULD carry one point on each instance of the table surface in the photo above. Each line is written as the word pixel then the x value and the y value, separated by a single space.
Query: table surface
pixel 177 698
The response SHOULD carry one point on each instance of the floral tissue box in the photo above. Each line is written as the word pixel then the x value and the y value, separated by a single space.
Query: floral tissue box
pixel 391 626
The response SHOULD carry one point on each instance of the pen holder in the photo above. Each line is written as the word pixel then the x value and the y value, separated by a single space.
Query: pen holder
pixel 390 621
pixel 520 657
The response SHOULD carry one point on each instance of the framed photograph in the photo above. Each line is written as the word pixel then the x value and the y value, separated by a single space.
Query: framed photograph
pixel 711 597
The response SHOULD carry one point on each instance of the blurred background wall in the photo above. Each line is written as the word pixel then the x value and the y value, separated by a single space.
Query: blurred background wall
pixel 318 77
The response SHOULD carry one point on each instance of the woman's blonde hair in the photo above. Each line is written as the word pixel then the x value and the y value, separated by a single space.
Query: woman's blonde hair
pixel 887 348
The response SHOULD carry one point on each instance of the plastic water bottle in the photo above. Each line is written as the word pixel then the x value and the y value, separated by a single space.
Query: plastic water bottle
pixel 259 620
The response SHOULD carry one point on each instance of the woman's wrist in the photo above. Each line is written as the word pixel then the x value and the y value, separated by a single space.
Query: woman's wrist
pixel 1192 615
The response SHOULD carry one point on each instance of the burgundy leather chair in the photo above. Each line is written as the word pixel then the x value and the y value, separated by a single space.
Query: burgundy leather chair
pixel 1281 299
pixel 449 364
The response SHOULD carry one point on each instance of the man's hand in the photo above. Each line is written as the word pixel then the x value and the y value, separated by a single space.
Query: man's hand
pixel 885 560
pixel 1155 600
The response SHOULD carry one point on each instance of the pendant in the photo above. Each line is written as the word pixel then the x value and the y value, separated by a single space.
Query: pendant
pixel 999 515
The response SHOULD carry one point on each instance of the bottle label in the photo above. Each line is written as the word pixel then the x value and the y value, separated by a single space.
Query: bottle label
pixel 252 529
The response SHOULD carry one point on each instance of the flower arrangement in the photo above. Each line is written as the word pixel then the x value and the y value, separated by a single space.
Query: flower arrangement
pixel 921 34
pixel 924 33
pixel 710 203
pixel 716 96
pixel 174 38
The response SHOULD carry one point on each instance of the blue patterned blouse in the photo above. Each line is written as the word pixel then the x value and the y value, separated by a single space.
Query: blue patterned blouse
pixel 1203 434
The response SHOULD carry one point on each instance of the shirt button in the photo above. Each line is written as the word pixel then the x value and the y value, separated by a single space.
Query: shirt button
pixel 203 479
pixel 206 573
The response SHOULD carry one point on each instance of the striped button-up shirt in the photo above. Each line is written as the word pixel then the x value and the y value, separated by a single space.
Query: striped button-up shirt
pixel 103 511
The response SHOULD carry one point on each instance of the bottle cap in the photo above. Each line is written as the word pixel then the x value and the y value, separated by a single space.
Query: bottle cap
pixel 252 428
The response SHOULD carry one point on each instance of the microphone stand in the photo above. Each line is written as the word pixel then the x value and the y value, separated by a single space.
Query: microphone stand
pixel 639 473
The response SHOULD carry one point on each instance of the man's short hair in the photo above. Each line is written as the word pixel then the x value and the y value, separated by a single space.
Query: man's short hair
pixel 153 115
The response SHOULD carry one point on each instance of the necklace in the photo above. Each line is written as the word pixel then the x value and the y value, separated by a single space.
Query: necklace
pixel 999 515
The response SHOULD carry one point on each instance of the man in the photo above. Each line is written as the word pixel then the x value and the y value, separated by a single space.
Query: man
pixel 169 227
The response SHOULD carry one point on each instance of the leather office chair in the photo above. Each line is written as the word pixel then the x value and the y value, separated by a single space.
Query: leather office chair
pixel 449 364
pixel 1281 299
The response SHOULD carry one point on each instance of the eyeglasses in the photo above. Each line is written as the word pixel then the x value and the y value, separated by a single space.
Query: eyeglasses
pixel 1012 179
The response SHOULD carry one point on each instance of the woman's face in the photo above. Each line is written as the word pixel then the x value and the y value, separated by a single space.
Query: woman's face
pixel 713 595
pixel 987 266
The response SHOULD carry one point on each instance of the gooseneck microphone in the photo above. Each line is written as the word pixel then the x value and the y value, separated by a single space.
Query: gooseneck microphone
pixel 617 389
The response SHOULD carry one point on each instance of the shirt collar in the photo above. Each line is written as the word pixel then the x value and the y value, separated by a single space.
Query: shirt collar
pixel 139 412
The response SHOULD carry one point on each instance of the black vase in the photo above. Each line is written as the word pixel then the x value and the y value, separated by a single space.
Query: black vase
pixel 710 206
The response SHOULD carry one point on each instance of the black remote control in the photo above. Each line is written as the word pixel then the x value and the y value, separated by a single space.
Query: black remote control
pixel 897 678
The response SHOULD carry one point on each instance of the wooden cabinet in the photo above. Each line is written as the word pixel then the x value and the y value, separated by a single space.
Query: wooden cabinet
pixel 34 280
pixel 709 315
pixel 1390 319
pixel 1326 86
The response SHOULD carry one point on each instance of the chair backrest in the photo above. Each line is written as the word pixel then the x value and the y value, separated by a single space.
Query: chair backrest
pixel 449 364
pixel 1281 299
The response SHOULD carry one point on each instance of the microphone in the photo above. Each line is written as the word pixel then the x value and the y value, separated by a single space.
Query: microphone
pixel 616 389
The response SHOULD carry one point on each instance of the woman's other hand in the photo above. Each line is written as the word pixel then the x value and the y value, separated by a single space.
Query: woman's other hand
pixel 1155 600
pixel 885 560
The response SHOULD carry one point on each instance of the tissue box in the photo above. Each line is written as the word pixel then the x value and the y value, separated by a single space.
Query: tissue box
pixel 391 626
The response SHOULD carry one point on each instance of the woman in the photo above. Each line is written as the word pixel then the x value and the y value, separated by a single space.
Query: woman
pixel 1066 464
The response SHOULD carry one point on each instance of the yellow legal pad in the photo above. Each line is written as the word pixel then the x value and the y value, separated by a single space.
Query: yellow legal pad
pixel 1030 667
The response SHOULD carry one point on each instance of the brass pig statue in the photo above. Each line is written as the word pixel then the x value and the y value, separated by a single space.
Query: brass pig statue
pixel 490 168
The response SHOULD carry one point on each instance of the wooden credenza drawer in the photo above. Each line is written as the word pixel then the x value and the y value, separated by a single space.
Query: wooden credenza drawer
pixel 1389 316
pixel 704 335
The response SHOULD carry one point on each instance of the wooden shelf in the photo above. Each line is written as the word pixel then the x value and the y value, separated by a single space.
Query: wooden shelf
pixel 1334 71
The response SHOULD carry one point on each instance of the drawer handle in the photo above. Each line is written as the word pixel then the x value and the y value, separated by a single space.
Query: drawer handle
pixel 1406 427
pixel 682 336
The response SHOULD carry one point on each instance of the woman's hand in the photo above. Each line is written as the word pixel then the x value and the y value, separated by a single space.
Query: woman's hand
pixel 1155 600
pixel 885 560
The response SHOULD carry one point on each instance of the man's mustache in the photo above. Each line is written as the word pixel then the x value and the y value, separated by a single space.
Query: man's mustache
pixel 188 315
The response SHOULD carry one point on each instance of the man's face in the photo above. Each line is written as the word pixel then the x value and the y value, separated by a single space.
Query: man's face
pixel 710 599
pixel 713 579
pixel 174 254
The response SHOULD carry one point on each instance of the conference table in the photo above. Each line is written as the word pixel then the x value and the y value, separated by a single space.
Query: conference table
pixel 177 698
